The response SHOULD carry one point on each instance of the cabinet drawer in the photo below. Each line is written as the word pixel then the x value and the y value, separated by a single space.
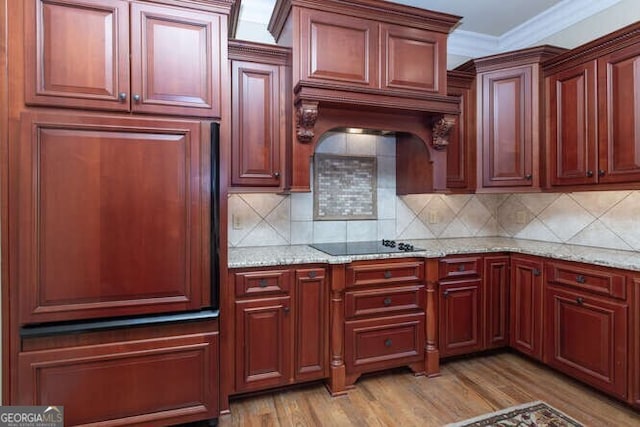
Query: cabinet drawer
pixel 262 282
pixel 384 342
pixel 384 273
pixel 459 267
pixel 588 279
pixel 384 301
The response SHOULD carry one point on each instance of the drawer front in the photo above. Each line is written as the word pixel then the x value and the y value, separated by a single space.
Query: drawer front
pixel 384 273
pixel 384 301
pixel 384 342
pixel 450 268
pixel 595 281
pixel 262 282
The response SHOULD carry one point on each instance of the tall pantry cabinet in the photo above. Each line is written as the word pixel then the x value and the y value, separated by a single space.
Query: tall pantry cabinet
pixel 110 302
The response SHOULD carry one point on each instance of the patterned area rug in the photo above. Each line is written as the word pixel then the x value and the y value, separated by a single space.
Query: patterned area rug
pixel 530 414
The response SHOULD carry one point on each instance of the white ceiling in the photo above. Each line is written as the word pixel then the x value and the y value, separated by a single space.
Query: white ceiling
pixel 487 26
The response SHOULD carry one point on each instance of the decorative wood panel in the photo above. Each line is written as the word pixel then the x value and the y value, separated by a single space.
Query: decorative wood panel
pixel 263 343
pixel 338 48
pixel 460 317
pixel 77 53
pixel 619 108
pixel 496 294
pixel 256 137
pixel 572 125
pixel 412 58
pixel 587 338
pixel 149 381
pixel 507 128
pixel 311 327
pixel 111 220
pixel 176 61
pixel 526 306
pixel 462 139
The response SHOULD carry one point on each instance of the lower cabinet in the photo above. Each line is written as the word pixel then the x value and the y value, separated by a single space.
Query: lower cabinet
pixel 141 376
pixel 496 301
pixel 634 371
pixel 526 305
pixel 281 327
pixel 460 317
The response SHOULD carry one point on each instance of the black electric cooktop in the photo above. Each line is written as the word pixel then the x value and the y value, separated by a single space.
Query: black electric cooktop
pixel 365 248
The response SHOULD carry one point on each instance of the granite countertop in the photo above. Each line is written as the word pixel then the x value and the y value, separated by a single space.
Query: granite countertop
pixel 265 256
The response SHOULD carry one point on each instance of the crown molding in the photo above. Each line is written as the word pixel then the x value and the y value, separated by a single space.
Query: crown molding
pixel 551 21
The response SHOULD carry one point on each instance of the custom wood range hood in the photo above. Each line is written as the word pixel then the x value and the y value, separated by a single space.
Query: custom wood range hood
pixel 366 64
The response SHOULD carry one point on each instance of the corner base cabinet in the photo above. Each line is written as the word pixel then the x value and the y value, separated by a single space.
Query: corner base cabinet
pixel 526 305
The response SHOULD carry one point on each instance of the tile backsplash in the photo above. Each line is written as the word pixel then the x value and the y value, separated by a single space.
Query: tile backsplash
pixel 609 219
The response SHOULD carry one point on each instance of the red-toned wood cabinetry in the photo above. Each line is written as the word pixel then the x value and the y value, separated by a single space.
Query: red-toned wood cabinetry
pixel 526 293
pixel 136 376
pixel 280 327
pixel 111 216
pixel 260 77
pixel 461 151
pixel 496 300
pixel 124 56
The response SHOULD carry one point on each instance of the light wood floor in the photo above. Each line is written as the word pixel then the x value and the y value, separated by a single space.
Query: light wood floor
pixel 467 388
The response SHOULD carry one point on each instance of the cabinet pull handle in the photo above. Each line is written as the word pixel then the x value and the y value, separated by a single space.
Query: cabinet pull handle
pixel 286 309
pixel 262 283
pixel 580 301
pixel 387 274
pixel 461 267
pixel 528 177
pixel 276 175
pixel 601 172
pixel 387 302
pixel 388 342
pixel 136 98
pixel 536 272
pixel 445 294
pixel 312 274
pixel 589 174
pixel 122 96
pixel 580 279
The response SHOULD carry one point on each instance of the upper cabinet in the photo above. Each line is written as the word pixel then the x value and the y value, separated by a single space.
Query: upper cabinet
pixel 509 111
pixel 461 151
pixel 592 113
pixel 124 56
pixel 260 76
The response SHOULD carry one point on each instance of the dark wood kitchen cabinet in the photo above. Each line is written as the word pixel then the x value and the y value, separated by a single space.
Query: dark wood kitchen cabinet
pixel 124 55
pixel 153 375
pixel 510 112
pixel 526 299
pixel 496 301
pixel 460 305
pixel 586 324
pixel 634 354
pixel 111 217
pixel 260 82
pixel 280 327
pixel 461 151
pixel 592 116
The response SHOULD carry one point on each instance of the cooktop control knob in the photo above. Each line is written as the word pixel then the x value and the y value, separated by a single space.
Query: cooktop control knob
pixel 405 247
pixel 389 243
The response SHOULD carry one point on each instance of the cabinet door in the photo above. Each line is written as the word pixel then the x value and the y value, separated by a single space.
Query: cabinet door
pixel 338 48
pixel 462 141
pixel 151 381
pixel 496 291
pixel 175 61
pixel 619 145
pixel 460 317
pixel 311 325
pixel 572 125
pixel 634 362
pixel 111 216
pixel 77 53
pixel 526 306
pixel 256 112
pixel 263 343
pixel 507 128
pixel 586 337
pixel 413 59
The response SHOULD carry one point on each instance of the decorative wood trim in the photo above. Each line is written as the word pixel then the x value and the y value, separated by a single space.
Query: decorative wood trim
pixel 259 52
pixel 234 15
pixel 7 325
pixel 441 127
pixel 337 383
pixel 432 353
pixel 218 6
pixel 306 116
pixel 517 58
pixel 460 79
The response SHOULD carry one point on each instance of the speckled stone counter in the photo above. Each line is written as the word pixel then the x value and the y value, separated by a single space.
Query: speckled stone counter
pixel 265 256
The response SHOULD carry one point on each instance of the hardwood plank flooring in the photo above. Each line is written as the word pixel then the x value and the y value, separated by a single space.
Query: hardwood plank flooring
pixel 466 388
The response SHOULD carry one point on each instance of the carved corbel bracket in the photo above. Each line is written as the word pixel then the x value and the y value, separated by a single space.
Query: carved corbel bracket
pixel 306 116
pixel 440 128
